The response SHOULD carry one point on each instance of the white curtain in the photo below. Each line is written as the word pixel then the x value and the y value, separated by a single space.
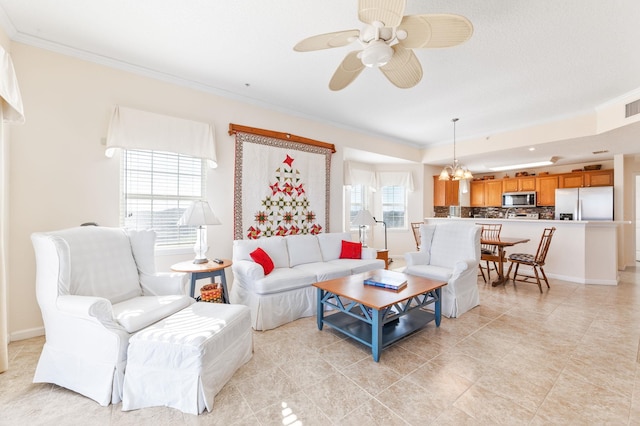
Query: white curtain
pixel 395 179
pixel 359 176
pixel 134 129
pixel 11 111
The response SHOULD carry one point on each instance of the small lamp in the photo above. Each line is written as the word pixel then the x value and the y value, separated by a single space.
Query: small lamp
pixel 199 214
pixel 363 219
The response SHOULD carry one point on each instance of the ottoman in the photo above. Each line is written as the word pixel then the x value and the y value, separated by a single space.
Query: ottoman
pixel 184 360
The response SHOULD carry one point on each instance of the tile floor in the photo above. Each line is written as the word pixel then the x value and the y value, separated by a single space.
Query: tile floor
pixel 568 356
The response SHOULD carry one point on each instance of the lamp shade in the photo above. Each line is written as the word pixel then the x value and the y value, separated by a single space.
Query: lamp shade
pixel 364 218
pixel 199 213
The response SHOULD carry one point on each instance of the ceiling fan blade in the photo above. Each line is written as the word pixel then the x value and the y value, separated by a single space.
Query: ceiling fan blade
pixel 327 41
pixel 350 67
pixel 404 69
pixel 437 30
pixel 389 12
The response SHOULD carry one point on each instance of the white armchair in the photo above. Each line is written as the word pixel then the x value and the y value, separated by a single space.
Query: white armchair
pixel 449 251
pixel 96 286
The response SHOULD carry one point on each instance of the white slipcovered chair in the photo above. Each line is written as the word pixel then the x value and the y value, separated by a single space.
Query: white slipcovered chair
pixel 449 251
pixel 96 286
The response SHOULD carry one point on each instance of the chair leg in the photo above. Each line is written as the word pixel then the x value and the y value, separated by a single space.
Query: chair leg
pixel 545 276
pixel 482 272
pixel 535 271
pixel 488 272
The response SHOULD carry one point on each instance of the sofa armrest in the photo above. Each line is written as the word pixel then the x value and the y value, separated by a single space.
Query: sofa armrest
pixel 86 307
pixel 245 270
pixel 164 283
pixel 369 253
pixel 463 265
pixel 416 258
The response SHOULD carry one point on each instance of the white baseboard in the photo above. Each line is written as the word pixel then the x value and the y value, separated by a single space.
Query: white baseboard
pixel 26 334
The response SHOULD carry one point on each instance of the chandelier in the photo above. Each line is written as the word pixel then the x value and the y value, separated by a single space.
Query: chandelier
pixel 456 171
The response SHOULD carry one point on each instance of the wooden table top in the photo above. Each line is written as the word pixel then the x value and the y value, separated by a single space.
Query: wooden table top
pixel 353 288
pixel 505 241
pixel 210 266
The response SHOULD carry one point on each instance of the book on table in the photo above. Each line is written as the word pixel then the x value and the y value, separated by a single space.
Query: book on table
pixel 387 279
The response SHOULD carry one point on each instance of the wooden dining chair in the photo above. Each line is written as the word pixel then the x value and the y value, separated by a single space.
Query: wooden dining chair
pixel 415 227
pixel 488 252
pixel 535 261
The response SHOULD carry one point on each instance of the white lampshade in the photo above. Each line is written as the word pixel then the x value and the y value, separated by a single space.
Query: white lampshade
pixel 199 213
pixel 364 218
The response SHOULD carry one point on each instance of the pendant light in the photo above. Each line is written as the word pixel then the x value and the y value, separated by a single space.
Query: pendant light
pixel 455 171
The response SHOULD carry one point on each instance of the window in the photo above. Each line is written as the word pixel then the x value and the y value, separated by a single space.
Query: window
pixel 357 202
pixel 157 187
pixel 394 206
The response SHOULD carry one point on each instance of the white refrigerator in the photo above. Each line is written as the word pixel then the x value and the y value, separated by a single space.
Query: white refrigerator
pixel 593 203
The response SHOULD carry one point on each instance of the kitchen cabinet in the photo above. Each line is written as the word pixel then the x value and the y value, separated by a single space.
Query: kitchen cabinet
pixel 486 193
pixel 476 193
pixel 546 190
pixel 524 183
pixel 445 192
pixel 598 178
pixel 588 178
pixel 571 180
pixel 493 193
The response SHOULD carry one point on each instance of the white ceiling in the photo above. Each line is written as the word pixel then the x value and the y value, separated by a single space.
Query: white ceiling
pixel 528 62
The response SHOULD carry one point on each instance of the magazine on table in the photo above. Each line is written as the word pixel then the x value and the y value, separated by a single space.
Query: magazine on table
pixel 387 279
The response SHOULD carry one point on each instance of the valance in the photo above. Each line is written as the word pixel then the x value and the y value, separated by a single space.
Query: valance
pixel 396 179
pixel 10 98
pixel 135 129
pixel 358 176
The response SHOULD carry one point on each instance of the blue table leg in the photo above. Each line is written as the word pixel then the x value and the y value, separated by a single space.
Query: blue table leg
pixel 376 334
pixel 319 309
pixel 438 307
pixel 223 281
pixel 193 284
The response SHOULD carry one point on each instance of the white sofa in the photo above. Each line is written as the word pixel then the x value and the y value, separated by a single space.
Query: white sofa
pixel 449 252
pixel 287 294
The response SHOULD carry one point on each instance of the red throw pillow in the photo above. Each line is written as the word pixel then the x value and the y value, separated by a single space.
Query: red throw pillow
pixel 260 256
pixel 351 250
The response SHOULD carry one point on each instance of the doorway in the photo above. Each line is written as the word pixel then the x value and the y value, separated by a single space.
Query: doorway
pixel 637 218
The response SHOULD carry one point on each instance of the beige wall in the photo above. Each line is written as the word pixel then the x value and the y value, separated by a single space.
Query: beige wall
pixel 61 178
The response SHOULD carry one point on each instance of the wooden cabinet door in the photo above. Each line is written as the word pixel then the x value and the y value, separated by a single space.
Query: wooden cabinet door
pixel 598 178
pixel 527 183
pixel 476 193
pixel 510 185
pixel 571 180
pixel 493 193
pixel 445 192
pixel 546 190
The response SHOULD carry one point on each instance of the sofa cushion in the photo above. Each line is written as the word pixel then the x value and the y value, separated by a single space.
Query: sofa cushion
pixel 331 244
pixel 276 248
pixel 325 271
pixel 351 250
pixel 433 272
pixel 282 279
pixel 262 258
pixel 303 249
pixel 140 312
pixel 357 266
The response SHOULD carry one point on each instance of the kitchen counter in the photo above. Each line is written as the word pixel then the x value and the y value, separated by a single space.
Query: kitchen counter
pixel 581 251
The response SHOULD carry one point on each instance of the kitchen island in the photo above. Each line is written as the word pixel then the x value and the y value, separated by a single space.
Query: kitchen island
pixel 584 252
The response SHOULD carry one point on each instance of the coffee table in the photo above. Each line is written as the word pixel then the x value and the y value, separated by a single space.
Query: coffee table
pixel 374 316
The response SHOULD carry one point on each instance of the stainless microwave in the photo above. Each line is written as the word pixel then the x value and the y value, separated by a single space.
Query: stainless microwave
pixel 519 199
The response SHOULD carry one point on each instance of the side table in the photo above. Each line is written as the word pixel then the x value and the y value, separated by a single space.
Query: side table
pixel 204 270
pixel 383 255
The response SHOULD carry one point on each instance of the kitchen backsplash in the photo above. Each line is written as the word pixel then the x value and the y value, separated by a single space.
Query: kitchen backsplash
pixel 496 212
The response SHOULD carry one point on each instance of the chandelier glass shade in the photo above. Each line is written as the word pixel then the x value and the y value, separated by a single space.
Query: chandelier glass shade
pixel 455 171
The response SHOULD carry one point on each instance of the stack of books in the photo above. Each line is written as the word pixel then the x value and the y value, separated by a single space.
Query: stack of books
pixel 387 279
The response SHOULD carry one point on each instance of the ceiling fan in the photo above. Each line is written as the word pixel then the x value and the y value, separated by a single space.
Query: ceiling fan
pixel 387 40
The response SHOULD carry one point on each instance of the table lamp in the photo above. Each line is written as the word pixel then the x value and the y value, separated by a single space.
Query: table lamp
pixel 363 219
pixel 199 214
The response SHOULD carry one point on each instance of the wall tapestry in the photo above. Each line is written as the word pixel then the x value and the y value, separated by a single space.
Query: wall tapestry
pixel 281 186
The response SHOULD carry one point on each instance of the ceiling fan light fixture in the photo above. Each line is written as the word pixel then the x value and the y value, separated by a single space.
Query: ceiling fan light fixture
pixel 455 171
pixel 377 54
